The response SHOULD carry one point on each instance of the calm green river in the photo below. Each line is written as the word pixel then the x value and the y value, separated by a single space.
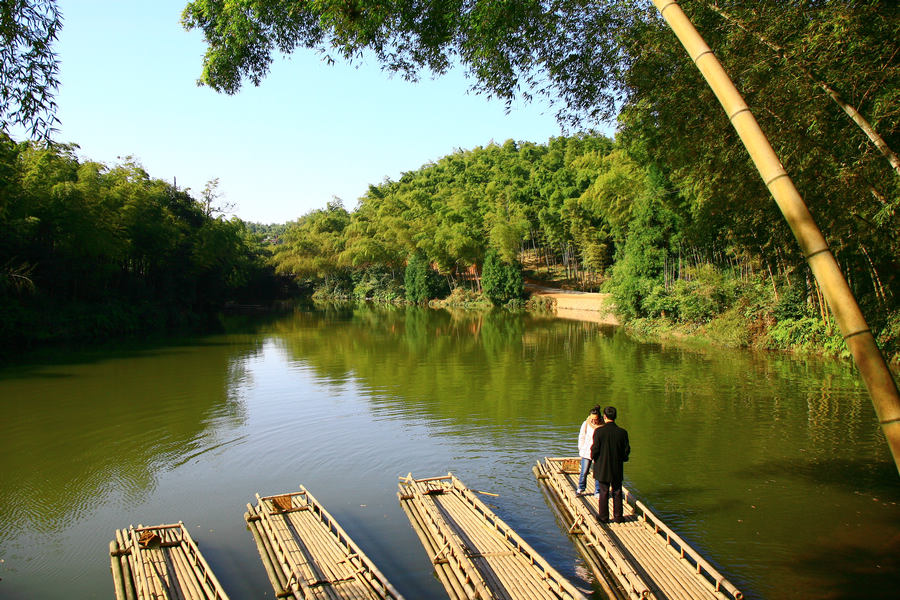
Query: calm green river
pixel 773 467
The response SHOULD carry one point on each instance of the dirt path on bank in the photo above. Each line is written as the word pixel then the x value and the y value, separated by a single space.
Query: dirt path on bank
pixel 581 306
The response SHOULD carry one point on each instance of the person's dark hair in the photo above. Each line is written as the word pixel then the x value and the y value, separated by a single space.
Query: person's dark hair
pixel 610 413
pixel 597 410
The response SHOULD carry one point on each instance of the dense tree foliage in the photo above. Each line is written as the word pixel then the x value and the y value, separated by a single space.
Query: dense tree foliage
pixel 508 199
pixel 672 213
pixel 415 278
pixel 86 249
pixel 421 282
pixel 501 281
pixel 800 65
pixel 851 189
pixel 587 210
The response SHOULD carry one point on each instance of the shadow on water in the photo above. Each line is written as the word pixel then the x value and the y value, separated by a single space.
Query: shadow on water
pixel 850 475
pixel 670 496
pixel 33 362
pixel 851 569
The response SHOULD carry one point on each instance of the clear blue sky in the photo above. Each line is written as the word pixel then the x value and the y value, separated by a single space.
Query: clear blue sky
pixel 308 133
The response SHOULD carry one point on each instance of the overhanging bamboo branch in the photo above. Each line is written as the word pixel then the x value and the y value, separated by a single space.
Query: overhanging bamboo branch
pixel 849 109
pixel 859 338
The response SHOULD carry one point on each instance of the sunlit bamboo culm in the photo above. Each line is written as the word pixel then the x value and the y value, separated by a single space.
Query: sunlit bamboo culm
pixel 859 338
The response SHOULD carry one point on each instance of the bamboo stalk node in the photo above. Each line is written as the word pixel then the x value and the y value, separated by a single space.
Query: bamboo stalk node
pixel 868 358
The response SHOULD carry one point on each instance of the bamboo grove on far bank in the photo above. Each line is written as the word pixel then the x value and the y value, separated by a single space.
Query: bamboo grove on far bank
pixel 671 217
pixel 583 211
pixel 90 251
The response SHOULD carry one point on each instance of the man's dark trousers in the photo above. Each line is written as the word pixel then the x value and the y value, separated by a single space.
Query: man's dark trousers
pixel 606 489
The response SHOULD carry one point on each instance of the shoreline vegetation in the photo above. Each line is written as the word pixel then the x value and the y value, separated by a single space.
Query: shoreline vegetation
pixel 670 218
pixel 92 252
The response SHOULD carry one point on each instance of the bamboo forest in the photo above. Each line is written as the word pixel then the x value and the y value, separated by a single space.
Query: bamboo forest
pixel 669 216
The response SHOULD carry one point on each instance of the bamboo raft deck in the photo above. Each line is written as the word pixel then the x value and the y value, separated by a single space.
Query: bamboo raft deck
pixel 639 558
pixel 150 563
pixel 307 555
pixel 474 553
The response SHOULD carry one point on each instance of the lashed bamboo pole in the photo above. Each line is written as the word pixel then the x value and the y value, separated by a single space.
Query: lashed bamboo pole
pixel 270 562
pixel 859 338
pixel 501 567
pixel 635 533
pixel 617 563
pixel 649 532
pixel 338 576
pixel 116 564
pixel 174 577
pixel 163 559
pixel 442 567
pixel 323 556
pixel 686 550
pixel 375 578
pixel 327 560
pixel 444 531
pixel 477 545
pixel 143 587
pixel 205 576
pixel 121 537
pixel 189 585
pixel 552 582
pixel 627 577
pixel 297 581
pixel 290 574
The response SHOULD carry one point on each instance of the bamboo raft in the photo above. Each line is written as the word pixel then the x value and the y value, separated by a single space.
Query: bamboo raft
pixel 639 558
pixel 474 553
pixel 150 563
pixel 307 555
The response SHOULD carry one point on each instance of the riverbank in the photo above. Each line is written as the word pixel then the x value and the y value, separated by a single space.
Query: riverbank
pixel 579 306
pixel 732 329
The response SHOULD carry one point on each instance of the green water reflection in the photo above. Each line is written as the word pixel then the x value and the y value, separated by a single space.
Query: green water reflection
pixel 774 467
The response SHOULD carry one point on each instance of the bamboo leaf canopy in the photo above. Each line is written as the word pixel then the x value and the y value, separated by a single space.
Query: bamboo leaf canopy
pixel 857 334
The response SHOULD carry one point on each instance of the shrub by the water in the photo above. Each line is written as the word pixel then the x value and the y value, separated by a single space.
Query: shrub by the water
pixel 501 281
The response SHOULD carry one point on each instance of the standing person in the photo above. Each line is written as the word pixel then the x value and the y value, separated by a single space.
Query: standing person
pixel 609 452
pixel 585 441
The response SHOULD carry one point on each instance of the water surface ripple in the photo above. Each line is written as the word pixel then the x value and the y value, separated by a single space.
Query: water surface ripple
pixel 774 467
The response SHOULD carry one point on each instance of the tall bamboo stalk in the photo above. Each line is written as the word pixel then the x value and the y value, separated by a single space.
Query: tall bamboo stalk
pixel 859 338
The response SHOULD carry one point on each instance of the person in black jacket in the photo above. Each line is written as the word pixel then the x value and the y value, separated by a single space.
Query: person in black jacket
pixel 609 452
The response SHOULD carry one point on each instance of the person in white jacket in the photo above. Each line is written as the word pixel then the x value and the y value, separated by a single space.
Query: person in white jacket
pixel 585 439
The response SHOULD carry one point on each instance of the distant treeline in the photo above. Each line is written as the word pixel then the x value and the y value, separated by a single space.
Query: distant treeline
pixel 590 212
pixel 88 251
pixel 672 217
